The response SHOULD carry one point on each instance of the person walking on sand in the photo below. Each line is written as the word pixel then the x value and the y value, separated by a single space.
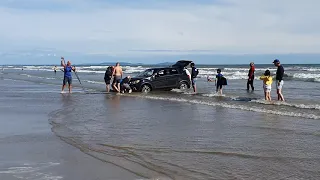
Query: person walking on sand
pixel 279 79
pixel 251 77
pixel 67 78
pixel 267 82
pixel 117 76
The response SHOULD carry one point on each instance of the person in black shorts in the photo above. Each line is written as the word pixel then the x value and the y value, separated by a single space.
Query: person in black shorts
pixel 219 81
pixel 251 76
pixel 108 77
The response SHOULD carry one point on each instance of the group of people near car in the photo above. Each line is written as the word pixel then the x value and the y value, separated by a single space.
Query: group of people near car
pixel 119 85
pixel 115 72
pixel 122 85
pixel 221 81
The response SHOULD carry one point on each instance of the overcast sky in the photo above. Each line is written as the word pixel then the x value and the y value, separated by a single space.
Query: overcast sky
pixel 142 29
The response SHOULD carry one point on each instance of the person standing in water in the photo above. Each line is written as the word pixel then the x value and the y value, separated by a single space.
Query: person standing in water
pixel 267 82
pixel 67 74
pixel 55 69
pixel 219 81
pixel 117 76
pixel 187 73
pixel 108 77
pixel 194 74
pixel 251 77
pixel 279 79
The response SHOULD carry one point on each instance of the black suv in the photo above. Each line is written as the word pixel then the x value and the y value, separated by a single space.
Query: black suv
pixel 166 78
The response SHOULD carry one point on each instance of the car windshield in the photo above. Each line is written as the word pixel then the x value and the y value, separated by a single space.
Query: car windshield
pixel 146 73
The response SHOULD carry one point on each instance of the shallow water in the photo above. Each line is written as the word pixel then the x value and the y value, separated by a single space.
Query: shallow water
pixel 186 141
pixel 179 135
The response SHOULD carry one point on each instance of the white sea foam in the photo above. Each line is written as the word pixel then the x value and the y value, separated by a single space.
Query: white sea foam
pixel 297 72
pixel 247 69
pixel 241 107
pixel 94 82
pixel 214 95
pixel 32 171
pixel 90 71
pixel 301 106
pixel 306 76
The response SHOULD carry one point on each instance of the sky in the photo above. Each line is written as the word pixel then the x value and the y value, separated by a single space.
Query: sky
pixel 152 31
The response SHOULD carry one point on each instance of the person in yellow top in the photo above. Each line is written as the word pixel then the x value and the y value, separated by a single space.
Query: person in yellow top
pixel 267 82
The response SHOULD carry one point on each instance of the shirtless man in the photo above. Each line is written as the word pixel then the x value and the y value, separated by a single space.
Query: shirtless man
pixel 117 73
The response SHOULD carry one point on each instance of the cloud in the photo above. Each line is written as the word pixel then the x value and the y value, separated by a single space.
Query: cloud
pixel 133 27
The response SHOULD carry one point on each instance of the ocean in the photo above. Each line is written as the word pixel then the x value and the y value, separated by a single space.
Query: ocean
pixel 181 135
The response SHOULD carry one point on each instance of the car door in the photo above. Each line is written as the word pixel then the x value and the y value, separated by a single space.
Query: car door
pixel 172 78
pixel 159 79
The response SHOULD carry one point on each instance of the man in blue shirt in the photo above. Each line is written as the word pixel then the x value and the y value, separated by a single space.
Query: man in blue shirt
pixel 67 68
pixel 194 74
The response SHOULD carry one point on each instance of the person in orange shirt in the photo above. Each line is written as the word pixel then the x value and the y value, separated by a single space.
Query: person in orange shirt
pixel 267 82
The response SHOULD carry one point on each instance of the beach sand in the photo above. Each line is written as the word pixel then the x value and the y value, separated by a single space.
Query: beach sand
pixel 29 149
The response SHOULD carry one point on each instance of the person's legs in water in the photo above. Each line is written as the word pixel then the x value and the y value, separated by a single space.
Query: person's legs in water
pixel 63 84
pixel 108 87
pixel 280 96
pixel 279 91
pixel 114 87
pixel 70 84
pixel 221 87
pixel 250 83
pixel 217 88
pixel 118 79
pixel 107 81
pixel 118 84
pixel 269 96
pixel 193 81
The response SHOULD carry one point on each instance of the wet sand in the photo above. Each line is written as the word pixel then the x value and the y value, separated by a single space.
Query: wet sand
pixel 29 149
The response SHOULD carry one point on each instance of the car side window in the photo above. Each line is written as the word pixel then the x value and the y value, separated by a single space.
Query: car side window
pixel 160 72
pixel 173 72
pixel 149 73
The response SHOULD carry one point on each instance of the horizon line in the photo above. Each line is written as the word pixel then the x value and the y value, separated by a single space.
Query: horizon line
pixel 165 63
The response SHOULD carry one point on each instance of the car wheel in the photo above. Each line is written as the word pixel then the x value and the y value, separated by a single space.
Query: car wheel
pixel 145 88
pixel 183 86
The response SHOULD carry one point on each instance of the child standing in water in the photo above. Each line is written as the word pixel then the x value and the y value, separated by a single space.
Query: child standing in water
pixel 267 82
pixel 219 81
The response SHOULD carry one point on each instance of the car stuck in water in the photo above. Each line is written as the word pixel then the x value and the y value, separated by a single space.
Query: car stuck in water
pixel 162 78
